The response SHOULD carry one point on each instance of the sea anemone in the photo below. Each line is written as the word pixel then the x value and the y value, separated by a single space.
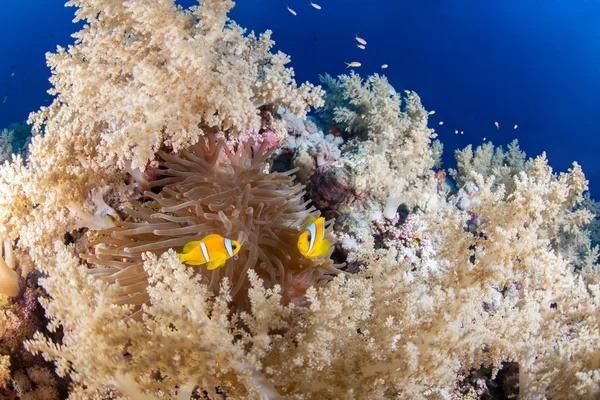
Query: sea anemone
pixel 206 189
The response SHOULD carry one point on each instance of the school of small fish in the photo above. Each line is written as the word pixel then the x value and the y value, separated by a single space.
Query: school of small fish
pixel 362 44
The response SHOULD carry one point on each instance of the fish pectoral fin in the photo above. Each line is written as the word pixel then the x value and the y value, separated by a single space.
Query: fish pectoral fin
pixel 216 264
pixel 190 246
pixel 186 259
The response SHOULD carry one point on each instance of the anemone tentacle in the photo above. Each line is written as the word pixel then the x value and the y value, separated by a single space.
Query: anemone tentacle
pixel 206 189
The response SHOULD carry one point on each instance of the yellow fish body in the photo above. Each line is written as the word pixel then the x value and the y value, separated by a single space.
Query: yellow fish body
pixel 312 242
pixel 214 250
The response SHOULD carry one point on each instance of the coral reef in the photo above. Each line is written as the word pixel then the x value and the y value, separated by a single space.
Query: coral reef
pixel 216 77
pixel 9 280
pixel 487 160
pixel 474 300
pixel 388 156
pixel 569 231
pixel 24 375
pixel 14 140
pixel 161 133
pixel 6 148
pixel 312 148
pixel 594 226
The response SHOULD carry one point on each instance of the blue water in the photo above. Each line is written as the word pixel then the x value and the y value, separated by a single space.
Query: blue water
pixel 533 63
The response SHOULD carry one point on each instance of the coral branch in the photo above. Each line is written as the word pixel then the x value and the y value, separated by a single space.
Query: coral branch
pixel 9 279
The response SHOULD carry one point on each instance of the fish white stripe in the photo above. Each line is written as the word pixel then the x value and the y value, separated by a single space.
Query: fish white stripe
pixel 204 251
pixel 312 230
pixel 228 247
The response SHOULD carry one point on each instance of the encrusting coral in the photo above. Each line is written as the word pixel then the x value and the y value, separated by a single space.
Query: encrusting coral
pixel 210 189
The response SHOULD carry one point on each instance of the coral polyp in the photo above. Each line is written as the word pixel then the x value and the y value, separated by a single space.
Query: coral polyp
pixel 210 189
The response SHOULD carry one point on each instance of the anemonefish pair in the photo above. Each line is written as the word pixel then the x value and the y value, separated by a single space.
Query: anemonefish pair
pixel 214 250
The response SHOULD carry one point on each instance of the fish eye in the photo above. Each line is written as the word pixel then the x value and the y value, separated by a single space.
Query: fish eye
pixel 308 237
pixel 234 246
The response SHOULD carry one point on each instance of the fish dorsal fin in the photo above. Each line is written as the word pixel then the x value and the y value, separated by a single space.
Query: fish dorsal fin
pixel 212 236
pixel 189 246
pixel 309 220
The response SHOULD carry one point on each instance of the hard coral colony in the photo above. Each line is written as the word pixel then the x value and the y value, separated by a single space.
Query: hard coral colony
pixel 172 138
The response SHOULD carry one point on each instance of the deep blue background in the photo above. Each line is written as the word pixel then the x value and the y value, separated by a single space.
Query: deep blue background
pixel 534 63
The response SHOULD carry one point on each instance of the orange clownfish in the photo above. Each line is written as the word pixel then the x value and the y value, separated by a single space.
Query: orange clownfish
pixel 312 242
pixel 214 250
